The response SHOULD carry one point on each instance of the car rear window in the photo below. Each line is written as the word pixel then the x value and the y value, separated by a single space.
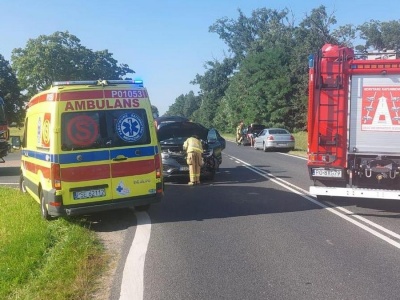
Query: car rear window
pixel 278 131
pixel 104 129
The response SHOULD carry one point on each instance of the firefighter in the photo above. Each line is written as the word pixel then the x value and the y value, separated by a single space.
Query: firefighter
pixel 194 150
pixel 239 133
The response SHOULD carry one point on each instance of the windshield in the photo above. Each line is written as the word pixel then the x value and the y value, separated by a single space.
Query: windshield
pixel 104 129
pixel 3 119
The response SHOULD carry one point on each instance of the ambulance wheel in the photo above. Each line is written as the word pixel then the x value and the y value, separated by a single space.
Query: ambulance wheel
pixel 43 208
pixel 142 207
pixel 22 186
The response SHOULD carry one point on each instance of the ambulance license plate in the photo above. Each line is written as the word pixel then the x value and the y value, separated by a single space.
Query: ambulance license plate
pixel 89 194
pixel 327 173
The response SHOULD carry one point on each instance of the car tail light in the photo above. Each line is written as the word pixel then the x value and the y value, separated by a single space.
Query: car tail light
pixel 291 137
pixel 56 176
pixel 270 138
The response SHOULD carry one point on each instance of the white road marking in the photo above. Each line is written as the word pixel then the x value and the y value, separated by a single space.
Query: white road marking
pixel 305 194
pixel 132 285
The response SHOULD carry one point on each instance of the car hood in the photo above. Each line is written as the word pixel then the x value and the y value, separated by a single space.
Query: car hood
pixel 178 132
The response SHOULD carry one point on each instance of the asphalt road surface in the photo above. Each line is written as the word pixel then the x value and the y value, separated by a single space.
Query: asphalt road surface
pixel 10 169
pixel 254 233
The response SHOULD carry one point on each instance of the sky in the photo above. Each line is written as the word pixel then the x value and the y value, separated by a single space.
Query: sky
pixel 166 42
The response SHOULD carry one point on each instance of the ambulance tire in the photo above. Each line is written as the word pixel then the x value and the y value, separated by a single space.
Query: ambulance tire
pixel 43 208
pixel 144 207
pixel 22 186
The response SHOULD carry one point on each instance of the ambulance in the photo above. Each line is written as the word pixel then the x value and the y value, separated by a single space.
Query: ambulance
pixel 91 146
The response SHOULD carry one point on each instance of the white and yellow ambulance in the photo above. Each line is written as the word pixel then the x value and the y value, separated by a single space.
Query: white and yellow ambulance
pixel 91 146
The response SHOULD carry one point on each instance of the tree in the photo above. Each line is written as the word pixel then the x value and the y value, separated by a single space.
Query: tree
pixel 184 106
pixel 213 84
pixel 59 57
pixel 261 91
pixel 380 35
pixel 14 101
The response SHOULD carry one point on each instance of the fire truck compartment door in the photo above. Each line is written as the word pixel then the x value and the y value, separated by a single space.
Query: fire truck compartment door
pixel 374 119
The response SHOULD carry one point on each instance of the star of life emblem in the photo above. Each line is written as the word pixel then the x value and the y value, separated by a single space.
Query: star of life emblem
pixel 130 127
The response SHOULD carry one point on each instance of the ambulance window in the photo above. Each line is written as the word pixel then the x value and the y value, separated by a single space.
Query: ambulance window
pixel 129 127
pixel 104 129
pixel 80 130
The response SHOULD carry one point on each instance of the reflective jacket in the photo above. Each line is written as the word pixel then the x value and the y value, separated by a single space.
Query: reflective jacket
pixel 193 145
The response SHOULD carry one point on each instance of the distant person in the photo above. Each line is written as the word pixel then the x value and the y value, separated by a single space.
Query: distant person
pixel 250 134
pixel 239 133
pixel 194 150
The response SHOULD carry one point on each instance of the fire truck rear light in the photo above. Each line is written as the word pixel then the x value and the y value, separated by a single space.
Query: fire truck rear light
pixel 325 158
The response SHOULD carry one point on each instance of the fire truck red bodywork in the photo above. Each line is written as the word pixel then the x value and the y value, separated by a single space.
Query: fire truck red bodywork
pixel 354 124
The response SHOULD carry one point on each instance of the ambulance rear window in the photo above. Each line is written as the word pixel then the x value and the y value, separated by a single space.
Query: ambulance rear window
pixel 104 129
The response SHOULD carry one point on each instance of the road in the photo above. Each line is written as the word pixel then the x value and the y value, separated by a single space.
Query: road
pixel 254 233
pixel 10 170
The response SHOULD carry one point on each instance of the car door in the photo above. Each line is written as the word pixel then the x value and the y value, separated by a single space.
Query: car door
pixel 258 141
pixel 215 143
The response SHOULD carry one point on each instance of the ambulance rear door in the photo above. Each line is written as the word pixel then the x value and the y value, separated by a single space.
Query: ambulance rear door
pixel 134 146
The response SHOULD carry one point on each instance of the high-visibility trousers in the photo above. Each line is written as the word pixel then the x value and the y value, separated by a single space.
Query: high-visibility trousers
pixel 195 161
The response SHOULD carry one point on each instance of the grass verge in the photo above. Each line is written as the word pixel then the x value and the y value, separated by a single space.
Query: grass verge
pixel 44 260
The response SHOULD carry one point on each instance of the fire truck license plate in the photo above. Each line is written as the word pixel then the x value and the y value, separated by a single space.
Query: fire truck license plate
pixel 327 173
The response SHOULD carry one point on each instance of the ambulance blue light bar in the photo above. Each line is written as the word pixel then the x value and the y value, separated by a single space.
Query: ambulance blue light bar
pixel 75 82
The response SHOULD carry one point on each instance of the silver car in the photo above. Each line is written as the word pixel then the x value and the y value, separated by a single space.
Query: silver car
pixel 274 139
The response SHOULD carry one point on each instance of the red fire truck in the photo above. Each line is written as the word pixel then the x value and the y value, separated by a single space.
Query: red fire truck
pixel 354 123
pixel 4 132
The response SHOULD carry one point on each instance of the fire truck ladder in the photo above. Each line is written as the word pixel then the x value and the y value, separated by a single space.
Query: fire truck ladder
pixel 330 91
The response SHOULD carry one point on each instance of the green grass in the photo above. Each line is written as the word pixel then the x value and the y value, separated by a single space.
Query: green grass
pixel 40 259
pixel 15 131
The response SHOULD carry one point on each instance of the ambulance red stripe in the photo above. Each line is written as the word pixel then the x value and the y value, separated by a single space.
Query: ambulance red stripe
pixel 76 174
pixel 34 168
pixel 41 98
pixel 132 168
pixel 66 96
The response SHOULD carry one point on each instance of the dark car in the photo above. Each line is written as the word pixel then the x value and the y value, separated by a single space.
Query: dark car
pixel 173 135
pixel 161 121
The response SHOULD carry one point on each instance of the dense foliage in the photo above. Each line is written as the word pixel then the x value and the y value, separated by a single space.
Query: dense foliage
pixel 10 92
pixel 59 57
pixel 265 78
pixel 56 57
